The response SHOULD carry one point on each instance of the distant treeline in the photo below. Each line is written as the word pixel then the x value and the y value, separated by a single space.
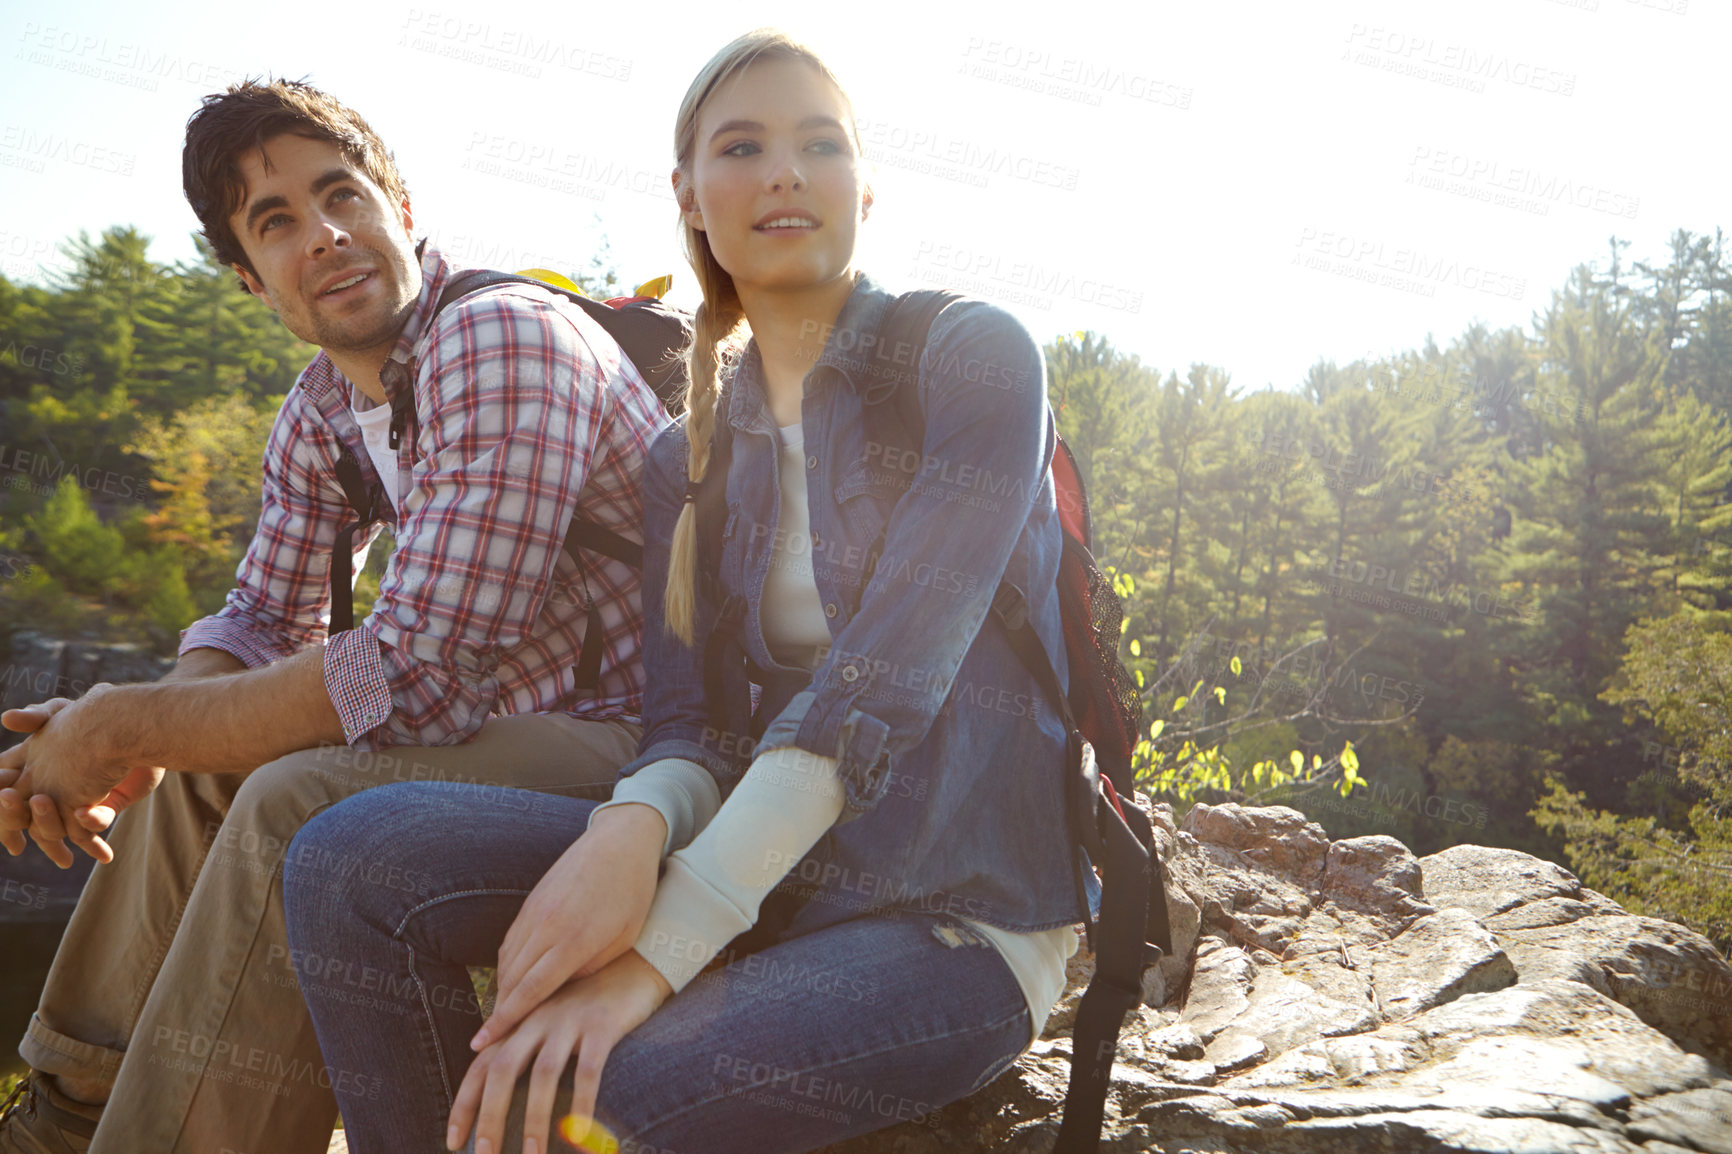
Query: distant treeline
pixel 1501 569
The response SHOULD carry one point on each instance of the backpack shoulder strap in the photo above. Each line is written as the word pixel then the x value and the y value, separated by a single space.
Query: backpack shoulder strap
pixel 582 533
pixel 649 332
pixel 343 553
pixel 892 390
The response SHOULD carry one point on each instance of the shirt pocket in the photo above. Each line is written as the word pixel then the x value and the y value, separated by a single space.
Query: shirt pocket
pixel 865 496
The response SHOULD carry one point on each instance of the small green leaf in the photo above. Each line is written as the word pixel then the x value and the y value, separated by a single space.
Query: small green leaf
pixel 1298 760
pixel 1136 648
pixel 1155 729
pixel 1237 667
pixel 1181 703
pixel 1220 695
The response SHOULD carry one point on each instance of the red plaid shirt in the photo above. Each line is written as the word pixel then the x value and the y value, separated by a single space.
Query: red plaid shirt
pixel 527 411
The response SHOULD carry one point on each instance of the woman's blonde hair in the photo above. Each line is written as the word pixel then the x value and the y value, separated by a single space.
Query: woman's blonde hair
pixel 719 321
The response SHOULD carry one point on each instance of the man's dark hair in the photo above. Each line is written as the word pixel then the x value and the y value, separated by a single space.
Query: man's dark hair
pixel 231 124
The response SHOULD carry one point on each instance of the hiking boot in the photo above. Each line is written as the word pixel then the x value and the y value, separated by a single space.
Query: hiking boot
pixel 38 1119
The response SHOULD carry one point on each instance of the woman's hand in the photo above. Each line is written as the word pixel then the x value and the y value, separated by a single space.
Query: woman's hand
pixel 585 1019
pixel 585 912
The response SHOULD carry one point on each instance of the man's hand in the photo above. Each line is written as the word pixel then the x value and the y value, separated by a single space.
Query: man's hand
pixel 14 805
pixel 67 780
pixel 585 912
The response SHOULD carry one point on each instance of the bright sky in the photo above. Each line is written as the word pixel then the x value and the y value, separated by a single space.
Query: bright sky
pixel 1254 185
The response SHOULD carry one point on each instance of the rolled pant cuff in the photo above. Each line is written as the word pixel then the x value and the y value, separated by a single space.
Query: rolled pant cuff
pixel 54 1053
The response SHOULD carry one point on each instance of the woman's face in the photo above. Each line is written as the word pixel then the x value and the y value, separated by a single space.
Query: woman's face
pixel 775 178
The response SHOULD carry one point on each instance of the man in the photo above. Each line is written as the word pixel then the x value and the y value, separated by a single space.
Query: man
pixel 173 997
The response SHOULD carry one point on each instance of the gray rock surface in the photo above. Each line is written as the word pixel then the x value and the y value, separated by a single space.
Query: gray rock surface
pixel 1347 997
pixel 38 668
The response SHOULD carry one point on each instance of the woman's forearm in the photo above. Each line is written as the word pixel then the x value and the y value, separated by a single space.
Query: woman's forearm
pixel 712 889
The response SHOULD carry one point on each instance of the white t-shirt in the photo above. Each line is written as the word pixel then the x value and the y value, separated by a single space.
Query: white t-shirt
pixel 375 422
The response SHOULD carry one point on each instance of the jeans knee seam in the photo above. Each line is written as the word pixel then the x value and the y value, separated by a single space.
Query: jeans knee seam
pixel 432 1027
pixel 402 924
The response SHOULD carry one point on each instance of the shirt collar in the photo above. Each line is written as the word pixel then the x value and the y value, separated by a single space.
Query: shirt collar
pixel 861 315
pixel 398 372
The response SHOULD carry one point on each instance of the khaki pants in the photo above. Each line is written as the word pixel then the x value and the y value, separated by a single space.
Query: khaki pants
pixel 174 979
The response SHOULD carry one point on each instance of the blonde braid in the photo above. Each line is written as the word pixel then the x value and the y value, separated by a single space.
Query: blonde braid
pixel 714 328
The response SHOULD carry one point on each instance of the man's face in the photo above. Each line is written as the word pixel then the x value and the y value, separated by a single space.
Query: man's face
pixel 334 257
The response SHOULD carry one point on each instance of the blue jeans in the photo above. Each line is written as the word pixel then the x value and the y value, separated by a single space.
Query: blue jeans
pixel 392 893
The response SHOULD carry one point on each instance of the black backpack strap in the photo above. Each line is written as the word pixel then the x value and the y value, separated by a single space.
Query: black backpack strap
pixel 586 534
pixel 721 646
pixel 649 332
pixel 343 553
pixel 1127 864
pixel 646 332
pixel 1132 932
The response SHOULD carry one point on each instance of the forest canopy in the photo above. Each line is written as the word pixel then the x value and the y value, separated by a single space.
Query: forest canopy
pixel 1476 591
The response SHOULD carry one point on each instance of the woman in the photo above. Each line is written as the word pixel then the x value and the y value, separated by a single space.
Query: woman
pixel 903 800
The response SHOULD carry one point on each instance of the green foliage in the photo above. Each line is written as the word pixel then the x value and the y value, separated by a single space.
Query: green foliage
pixel 137 399
pixel 74 543
pixel 205 461
pixel 1684 876
pixel 1491 573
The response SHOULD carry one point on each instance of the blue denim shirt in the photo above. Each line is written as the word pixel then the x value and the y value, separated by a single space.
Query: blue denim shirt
pixel 951 757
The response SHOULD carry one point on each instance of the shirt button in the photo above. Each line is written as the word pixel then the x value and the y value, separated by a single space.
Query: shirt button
pixel 816 544
pixel 849 673
pixel 830 610
pixel 812 462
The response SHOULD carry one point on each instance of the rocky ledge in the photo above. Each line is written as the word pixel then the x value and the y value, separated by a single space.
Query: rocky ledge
pixel 1347 997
